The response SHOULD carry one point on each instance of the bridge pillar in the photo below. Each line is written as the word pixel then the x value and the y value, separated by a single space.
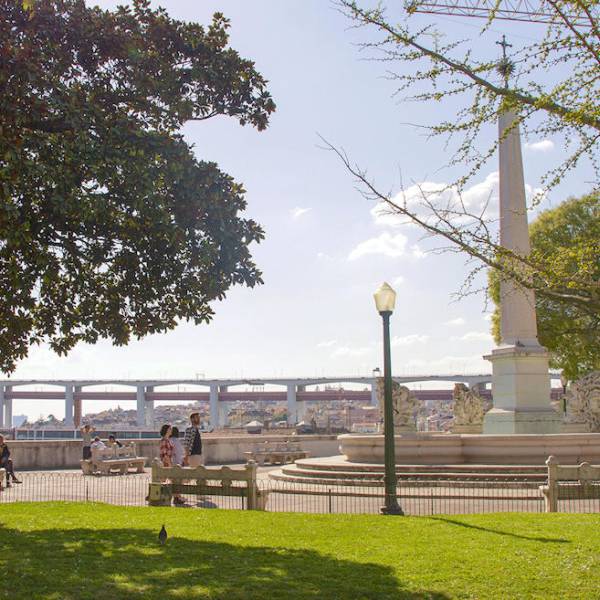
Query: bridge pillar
pixel 374 401
pixel 300 405
pixel 149 409
pixel 223 408
pixel 292 405
pixel 215 416
pixel 77 413
pixel 8 408
pixel 140 397
pixel 69 405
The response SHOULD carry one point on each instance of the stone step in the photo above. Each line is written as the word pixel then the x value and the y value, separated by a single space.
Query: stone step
pixel 401 473
pixel 338 463
pixel 301 480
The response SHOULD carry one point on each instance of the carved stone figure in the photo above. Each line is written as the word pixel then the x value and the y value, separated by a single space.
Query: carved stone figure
pixel 583 402
pixel 469 409
pixel 404 404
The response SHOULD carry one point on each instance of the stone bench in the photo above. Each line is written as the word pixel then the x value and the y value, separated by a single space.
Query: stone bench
pixel 570 482
pixel 113 460
pixel 205 481
pixel 276 453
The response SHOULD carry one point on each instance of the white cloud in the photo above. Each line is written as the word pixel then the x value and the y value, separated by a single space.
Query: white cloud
pixel 298 212
pixel 393 246
pixel 541 146
pixel 474 336
pixel 475 199
pixel 487 317
pixel 345 351
pixel 455 322
pixel 323 256
pixel 416 251
pixel 479 199
pixel 407 340
pixel 398 280
pixel 327 344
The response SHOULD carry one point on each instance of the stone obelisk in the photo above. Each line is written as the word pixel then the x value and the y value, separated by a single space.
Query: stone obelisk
pixel 520 377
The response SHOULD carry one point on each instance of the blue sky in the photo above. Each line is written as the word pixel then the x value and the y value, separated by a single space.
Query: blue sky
pixel 325 251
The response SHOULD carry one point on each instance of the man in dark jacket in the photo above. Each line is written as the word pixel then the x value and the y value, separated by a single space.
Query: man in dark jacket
pixel 6 462
pixel 192 443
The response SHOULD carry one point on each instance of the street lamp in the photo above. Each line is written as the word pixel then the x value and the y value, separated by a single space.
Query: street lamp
pixel 385 300
pixel 564 381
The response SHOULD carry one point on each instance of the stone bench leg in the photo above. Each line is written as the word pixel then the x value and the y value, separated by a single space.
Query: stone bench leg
pixel 550 498
pixel 159 494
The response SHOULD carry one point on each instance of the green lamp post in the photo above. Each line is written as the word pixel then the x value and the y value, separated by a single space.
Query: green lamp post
pixel 385 300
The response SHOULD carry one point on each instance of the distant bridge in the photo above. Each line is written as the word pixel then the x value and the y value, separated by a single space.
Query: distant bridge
pixel 145 395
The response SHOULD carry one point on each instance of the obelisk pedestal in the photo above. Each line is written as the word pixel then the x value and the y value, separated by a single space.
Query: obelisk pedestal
pixel 520 378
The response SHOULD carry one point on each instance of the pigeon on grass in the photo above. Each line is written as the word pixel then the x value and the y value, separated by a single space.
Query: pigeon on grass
pixel 162 535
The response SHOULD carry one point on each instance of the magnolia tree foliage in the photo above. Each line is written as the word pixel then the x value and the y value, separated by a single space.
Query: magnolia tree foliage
pixel 552 88
pixel 109 225
pixel 568 238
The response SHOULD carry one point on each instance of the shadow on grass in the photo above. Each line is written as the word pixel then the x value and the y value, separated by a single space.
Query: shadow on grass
pixel 530 538
pixel 77 564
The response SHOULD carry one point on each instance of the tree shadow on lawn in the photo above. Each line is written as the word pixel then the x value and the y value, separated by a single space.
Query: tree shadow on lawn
pixel 530 538
pixel 80 564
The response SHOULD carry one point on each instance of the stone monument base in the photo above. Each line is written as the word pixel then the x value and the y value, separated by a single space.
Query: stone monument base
pixel 521 389
pixel 522 420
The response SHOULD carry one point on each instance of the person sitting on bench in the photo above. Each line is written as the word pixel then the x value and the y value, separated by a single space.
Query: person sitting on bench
pixel 7 463
pixel 113 441
pixel 98 444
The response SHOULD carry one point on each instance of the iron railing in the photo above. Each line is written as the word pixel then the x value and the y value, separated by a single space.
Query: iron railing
pixel 417 497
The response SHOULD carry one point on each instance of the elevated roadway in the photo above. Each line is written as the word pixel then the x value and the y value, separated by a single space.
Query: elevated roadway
pixel 146 392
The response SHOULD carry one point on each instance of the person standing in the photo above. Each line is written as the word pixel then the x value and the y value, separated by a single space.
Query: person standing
pixel 167 455
pixel 192 443
pixel 165 448
pixel 7 463
pixel 86 437
pixel 178 451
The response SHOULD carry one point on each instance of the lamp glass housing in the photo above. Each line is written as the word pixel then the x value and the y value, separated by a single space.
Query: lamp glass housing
pixel 385 298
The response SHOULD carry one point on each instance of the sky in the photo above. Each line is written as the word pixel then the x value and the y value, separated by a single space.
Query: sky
pixel 326 249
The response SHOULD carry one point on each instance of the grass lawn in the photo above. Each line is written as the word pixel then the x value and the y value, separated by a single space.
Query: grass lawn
pixel 77 551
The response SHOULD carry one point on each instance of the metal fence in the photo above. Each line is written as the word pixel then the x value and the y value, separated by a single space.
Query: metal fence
pixel 417 497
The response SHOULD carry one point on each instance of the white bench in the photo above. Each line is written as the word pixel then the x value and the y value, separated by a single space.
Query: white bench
pixel 2 478
pixel 113 459
pixel 276 453
pixel 567 482
pixel 205 481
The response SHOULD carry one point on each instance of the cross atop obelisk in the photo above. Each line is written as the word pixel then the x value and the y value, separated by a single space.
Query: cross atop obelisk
pixel 520 379
pixel 505 66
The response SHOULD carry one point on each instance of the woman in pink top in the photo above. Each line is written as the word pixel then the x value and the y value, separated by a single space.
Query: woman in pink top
pixel 166 446
pixel 167 451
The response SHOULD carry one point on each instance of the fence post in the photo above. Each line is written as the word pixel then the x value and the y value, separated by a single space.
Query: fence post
pixel 252 486
pixel 552 496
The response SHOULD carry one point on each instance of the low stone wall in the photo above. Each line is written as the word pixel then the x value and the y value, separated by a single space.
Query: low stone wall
pixel 432 449
pixel 66 454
